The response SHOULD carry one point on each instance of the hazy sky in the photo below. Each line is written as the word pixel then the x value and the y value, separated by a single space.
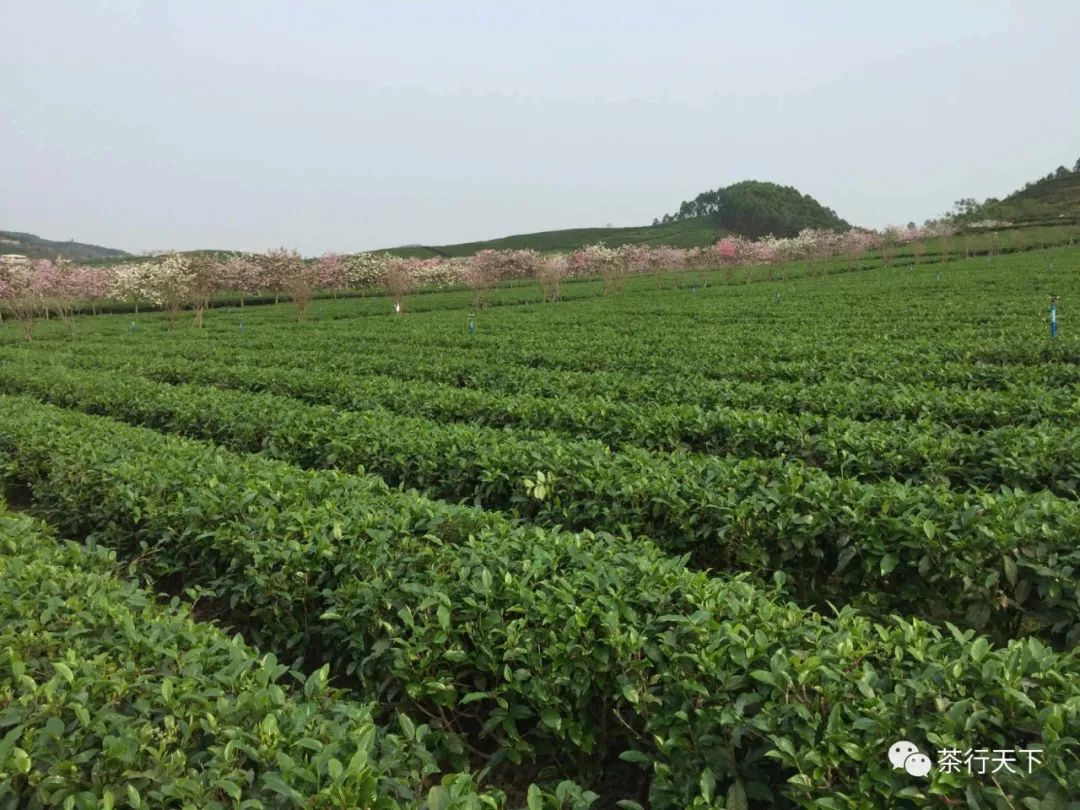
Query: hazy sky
pixel 355 125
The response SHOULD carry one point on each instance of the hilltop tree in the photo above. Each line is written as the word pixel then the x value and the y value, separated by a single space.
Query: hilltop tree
pixel 755 208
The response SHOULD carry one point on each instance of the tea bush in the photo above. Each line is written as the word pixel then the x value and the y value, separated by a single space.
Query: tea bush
pixel 562 649
pixel 109 699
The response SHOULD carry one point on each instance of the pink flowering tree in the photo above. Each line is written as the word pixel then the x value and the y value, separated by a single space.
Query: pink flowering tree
pixel 293 276
pixel 241 275
pixel 62 292
pixel 482 272
pixel 23 294
pixel 664 258
pixel 727 251
pixel 91 285
pixel 729 254
pixel 634 258
pixel 332 273
pixel 550 272
pixel 598 260
pixel 518 264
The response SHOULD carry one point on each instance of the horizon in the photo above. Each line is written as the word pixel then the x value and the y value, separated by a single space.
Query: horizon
pixel 345 128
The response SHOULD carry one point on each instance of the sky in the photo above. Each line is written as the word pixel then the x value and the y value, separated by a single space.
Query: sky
pixel 346 126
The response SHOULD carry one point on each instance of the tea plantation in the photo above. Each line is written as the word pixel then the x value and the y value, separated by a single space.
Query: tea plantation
pixel 712 541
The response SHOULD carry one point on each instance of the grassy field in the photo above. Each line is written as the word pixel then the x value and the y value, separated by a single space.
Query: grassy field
pixel 716 541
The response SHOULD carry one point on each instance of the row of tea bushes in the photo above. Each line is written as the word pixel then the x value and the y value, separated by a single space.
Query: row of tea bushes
pixel 995 561
pixel 1029 399
pixel 566 650
pixel 1031 457
pixel 109 698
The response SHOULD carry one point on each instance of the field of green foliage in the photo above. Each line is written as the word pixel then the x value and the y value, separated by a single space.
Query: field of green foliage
pixel 713 541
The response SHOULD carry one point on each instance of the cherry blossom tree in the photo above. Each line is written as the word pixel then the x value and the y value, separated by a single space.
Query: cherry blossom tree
pixel 57 280
pixel 549 274
pixel 91 285
pixel 293 276
pixel 482 272
pixel 202 279
pixel 169 286
pixel 598 260
pixel 331 273
pixel 242 275
pixel 364 271
pixel 23 293
pixel 399 278
pixel 634 258
pixel 729 253
pixel 132 283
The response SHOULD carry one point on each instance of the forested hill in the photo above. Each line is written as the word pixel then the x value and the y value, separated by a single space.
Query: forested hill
pixel 1053 198
pixel 34 247
pixel 756 208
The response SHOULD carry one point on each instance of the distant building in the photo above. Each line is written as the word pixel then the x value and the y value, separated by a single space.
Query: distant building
pixel 13 258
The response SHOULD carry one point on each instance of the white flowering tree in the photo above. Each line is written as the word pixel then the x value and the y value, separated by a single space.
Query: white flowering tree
pixel 169 285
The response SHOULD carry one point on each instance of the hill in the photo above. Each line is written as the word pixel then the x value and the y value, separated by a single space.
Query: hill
pixel 685 233
pixel 1053 198
pixel 34 247
pixel 756 208
pixel 750 208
